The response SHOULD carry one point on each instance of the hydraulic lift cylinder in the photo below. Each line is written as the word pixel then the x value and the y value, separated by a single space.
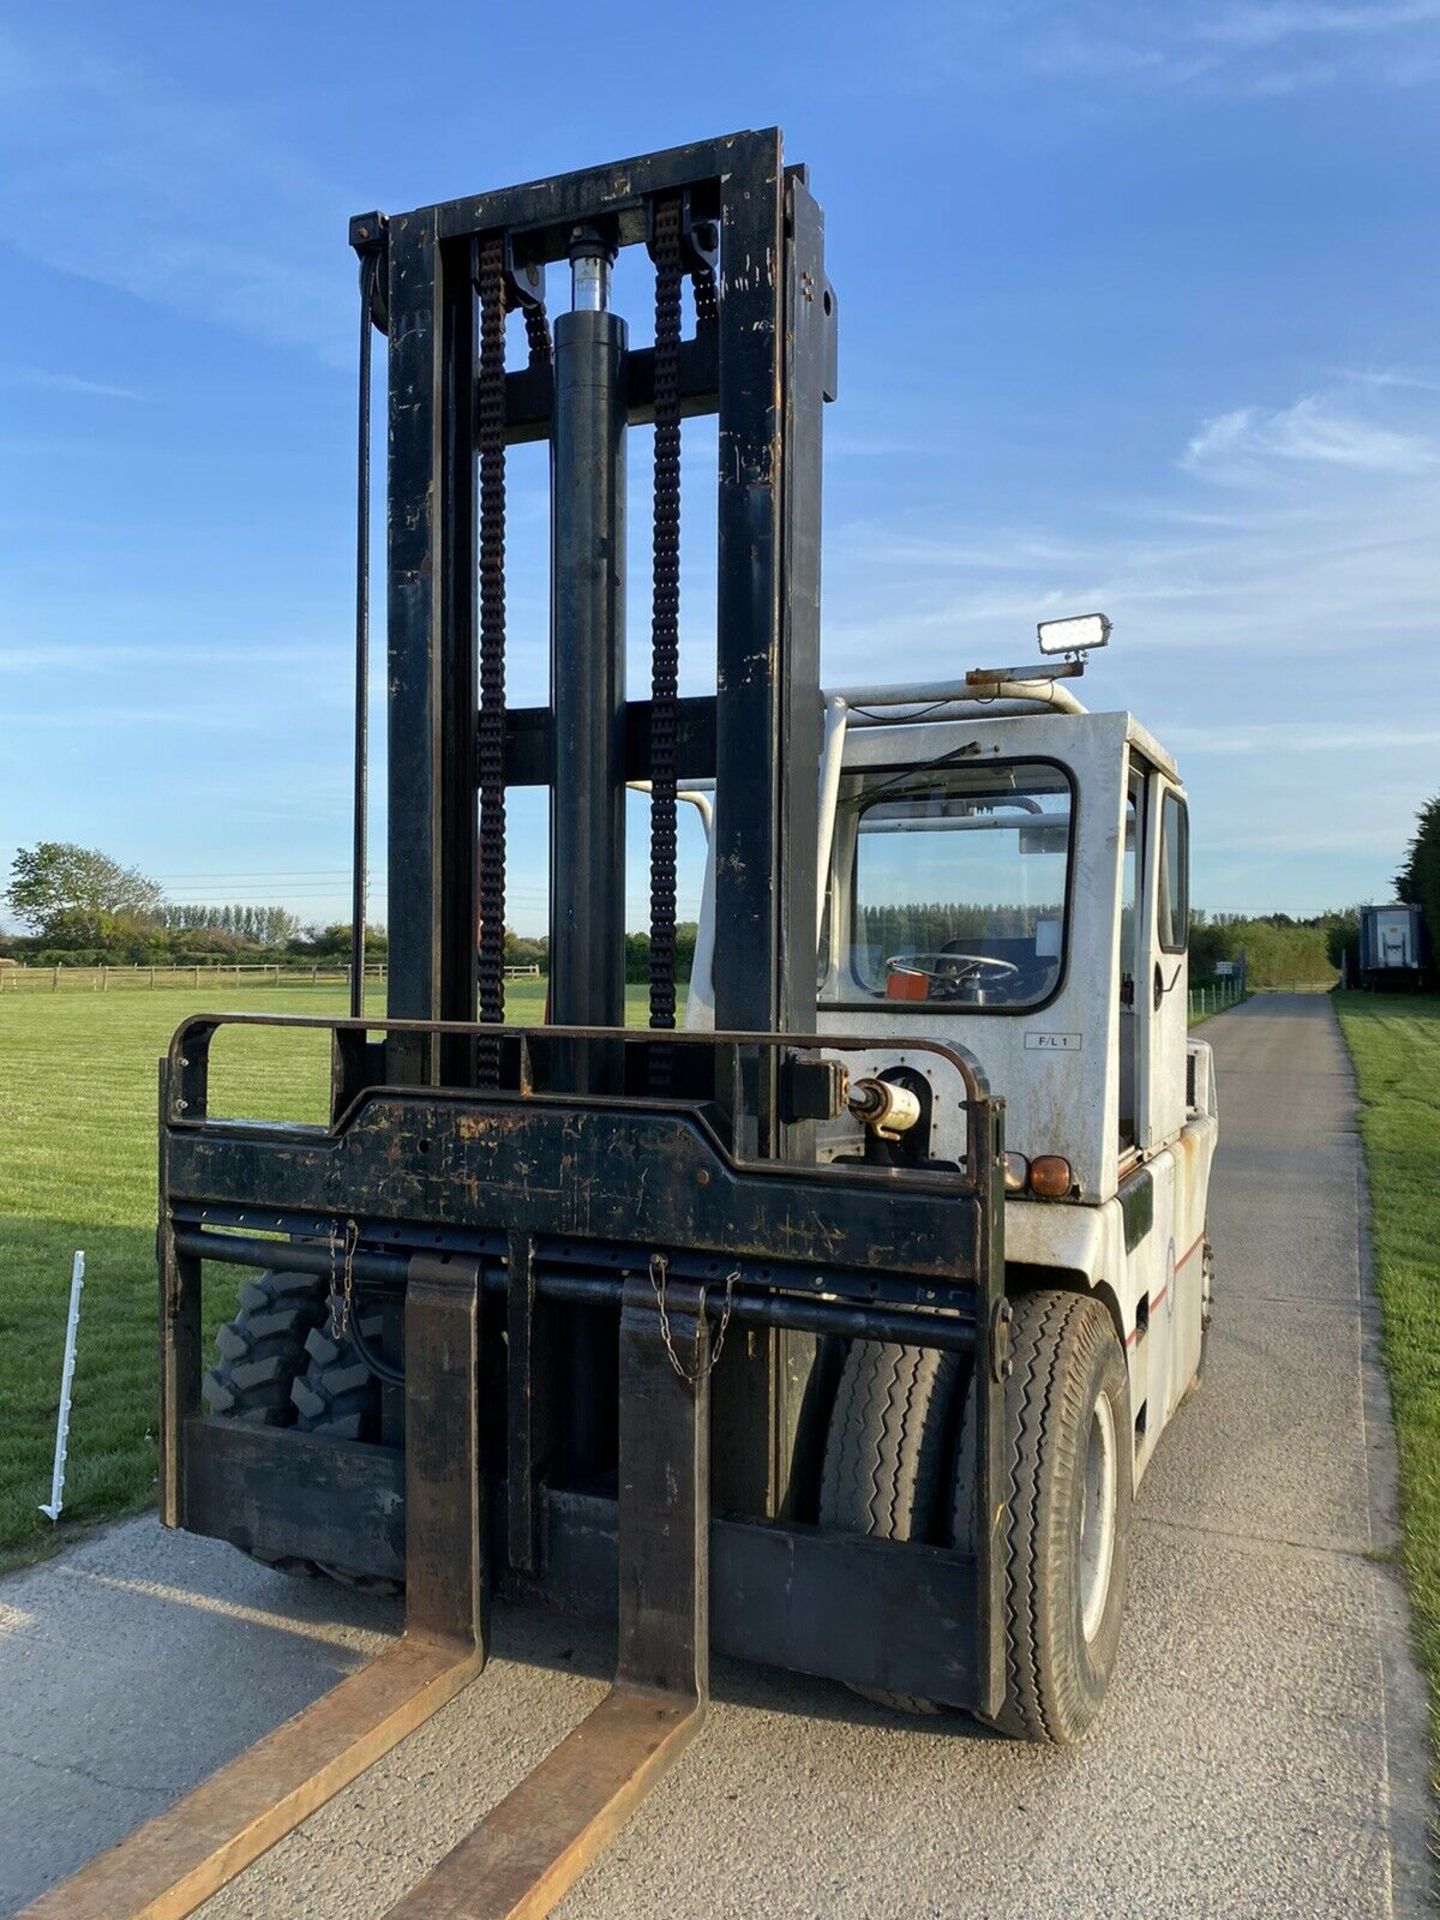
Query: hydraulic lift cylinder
pixel 587 657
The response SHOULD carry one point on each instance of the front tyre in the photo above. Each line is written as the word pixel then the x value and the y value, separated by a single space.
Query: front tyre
pixel 1066 1458
pixel 887 1454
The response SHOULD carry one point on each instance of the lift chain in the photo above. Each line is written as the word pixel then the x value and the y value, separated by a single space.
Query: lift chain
pixel 490 441
pixel 707 302
pixel 537 334
pixel 342 1298
pixel 665 627
pixel 659 1274
pixel 707 305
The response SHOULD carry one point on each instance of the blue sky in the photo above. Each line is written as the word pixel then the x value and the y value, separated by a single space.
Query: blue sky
pixel 1138 310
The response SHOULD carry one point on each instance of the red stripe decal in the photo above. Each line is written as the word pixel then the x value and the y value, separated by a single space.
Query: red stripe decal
pixel 1156 1299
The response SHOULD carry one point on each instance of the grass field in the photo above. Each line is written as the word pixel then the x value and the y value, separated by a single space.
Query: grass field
pixel 1395 1045
pixel 77 1169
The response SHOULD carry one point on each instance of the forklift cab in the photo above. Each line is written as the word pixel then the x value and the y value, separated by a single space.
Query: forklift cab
pixel 1011 876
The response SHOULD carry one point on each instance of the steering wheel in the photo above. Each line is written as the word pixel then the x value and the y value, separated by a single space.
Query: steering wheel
pixel 946 971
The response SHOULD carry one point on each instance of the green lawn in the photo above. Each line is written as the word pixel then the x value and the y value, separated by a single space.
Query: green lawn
pixel 77 1169
pixel 1395 1044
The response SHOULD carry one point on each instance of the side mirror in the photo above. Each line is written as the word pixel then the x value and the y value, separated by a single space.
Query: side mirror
pixel 1077 635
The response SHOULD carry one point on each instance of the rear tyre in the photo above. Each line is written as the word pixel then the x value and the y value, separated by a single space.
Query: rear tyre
pixel 338 1395
pixel 888 1451
pixel 263 1348
pixel 276 1341
pixel 1065 1451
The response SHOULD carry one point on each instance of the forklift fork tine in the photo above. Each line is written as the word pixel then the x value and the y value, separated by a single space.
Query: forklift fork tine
pixel 171 1865
pixel 529 1851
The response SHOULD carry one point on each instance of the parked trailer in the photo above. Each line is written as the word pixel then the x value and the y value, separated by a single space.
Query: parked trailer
pixel 782 1331
pixel 1393 949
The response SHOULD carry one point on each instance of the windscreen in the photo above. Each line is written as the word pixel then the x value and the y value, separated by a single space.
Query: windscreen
pixel 958 886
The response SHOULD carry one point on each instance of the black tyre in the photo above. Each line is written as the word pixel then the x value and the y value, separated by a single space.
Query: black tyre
pixel 336 1393
pixel 263 1348
pixel 265 1352
pixel 1066 1454
pixel 888 1452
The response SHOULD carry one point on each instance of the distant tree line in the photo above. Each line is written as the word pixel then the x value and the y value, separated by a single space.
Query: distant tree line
pixel 929 926
pixel 257 926
pixel 82 908
pixel 1279 950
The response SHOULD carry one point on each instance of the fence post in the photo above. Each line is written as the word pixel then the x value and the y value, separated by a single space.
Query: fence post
pixel 67 1382
pixel 197 976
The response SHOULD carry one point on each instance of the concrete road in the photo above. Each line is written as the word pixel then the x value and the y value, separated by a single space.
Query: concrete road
pixel 1262 1753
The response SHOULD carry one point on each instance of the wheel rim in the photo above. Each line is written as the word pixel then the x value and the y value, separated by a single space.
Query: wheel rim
pixel 1097 1517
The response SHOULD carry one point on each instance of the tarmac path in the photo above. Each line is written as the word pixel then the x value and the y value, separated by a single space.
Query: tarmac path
pixel 1263 1750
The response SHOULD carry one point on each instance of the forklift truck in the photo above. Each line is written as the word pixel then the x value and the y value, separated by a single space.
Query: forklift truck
pixel 755 1332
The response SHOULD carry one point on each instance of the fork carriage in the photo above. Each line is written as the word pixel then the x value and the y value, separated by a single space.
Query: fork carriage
pixel 552 1219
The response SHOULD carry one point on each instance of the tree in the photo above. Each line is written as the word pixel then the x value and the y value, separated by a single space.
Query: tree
pixel 61 890
pixel 1418 881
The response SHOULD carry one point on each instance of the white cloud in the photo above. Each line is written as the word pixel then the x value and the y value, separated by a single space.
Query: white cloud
pixel 1247 440
pixel 1287 737
pixel 123 656
pixel 1254 48
pixel 1270 25
pixel 1279 643
pixel 42 380
pixel 148 200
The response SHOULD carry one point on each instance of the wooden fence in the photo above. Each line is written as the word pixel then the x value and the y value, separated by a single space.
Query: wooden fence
pixel 27 979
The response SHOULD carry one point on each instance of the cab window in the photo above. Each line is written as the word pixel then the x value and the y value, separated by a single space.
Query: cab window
pixel 1172 916
pixel 959 887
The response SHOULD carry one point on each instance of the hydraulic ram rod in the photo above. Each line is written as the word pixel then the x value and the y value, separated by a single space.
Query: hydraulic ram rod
pixel 909 1327
pixel 587 666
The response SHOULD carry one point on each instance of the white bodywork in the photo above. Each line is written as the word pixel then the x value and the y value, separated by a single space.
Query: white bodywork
pixel 1104 1077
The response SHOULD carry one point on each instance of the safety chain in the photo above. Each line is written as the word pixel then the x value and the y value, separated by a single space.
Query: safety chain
pixel 490 440
pixel 665 629
pixel 659 1272
pixel 342 1299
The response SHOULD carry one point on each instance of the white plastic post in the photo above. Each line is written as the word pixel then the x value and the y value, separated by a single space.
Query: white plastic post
pixel 67 1376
